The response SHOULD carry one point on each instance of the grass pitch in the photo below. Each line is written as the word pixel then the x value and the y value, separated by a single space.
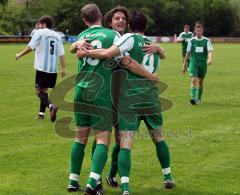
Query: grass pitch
pixel 203 139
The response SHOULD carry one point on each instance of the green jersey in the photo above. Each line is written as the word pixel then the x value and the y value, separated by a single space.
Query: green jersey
pixel 185 37
pixel 134 88
pixel 94 76
pixel 131 44
pixel 199 49
pixel 150 61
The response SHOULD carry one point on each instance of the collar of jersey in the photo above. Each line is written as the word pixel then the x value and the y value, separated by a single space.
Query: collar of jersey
pixel 199 39
pixel 138 34
pixel 94 26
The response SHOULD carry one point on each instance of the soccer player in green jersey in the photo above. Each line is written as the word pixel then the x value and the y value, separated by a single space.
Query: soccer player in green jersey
pixel 117 19
pixel 129 121
pixel 199 51
pixel 92 89
pixel 184 37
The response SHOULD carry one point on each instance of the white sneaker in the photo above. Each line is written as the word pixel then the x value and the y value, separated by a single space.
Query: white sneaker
pixel 198 102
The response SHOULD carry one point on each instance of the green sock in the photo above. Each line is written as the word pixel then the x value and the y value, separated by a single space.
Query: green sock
pixel 99 160
pixel 93 147
pixel 114 163
pixel 124 166
pixel 77 155
pixel 200 91
pixel 193 93
pixel 164 158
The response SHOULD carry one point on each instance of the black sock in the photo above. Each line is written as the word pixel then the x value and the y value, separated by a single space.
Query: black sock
pixel 44 98
pixel 42 107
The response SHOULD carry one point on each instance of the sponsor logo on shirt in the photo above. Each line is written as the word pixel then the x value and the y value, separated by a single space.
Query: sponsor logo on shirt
pixel 199 49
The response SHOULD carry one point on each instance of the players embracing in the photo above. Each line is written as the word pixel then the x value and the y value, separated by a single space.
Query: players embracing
pixel 96 46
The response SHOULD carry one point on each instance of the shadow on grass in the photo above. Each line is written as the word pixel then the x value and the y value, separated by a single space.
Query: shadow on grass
pixel 156 191
pixel 219 104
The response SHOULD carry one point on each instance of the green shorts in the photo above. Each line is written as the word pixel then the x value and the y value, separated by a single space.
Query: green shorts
pixel 198 70
pixel 97 114
pixel 132 123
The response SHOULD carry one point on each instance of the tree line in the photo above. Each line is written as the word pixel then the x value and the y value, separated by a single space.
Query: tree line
pixel 166 17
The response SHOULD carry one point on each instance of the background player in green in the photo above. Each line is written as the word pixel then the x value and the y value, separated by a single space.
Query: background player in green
pixel 199 50
pixel 133 43
pixel 184 37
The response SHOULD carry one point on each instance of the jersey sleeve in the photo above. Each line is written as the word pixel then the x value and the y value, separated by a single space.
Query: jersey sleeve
pixel 125 43
pixel 35 40
pixel 117 36
pixel 180 37
pixel 189 46
pixel 209 46
pixel 61 48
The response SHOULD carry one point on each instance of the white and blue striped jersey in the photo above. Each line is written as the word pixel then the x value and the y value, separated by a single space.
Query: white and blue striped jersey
pixel 48 46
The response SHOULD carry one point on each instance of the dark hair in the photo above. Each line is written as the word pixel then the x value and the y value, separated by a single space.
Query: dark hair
pixel 186 26
pixel 138 22
pixel 199 25
pixel 91 13
pixel 198 22
pixel 109 15
pixel 48 20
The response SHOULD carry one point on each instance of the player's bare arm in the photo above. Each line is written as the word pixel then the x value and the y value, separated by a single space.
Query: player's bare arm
pixel 78 45
pixel 99 53
pixel 154 48
pixel 63 65
pixel 128 62
pixel 23 52
pixel 209 61
pixel 179 40
pixel 186 59
pixel 133 66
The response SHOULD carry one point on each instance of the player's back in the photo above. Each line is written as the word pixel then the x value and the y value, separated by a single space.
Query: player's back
pixel 133 45
pixel 142 92
pixel 94 74
pixel 137 41
pixel 150 62
pixel 48 47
